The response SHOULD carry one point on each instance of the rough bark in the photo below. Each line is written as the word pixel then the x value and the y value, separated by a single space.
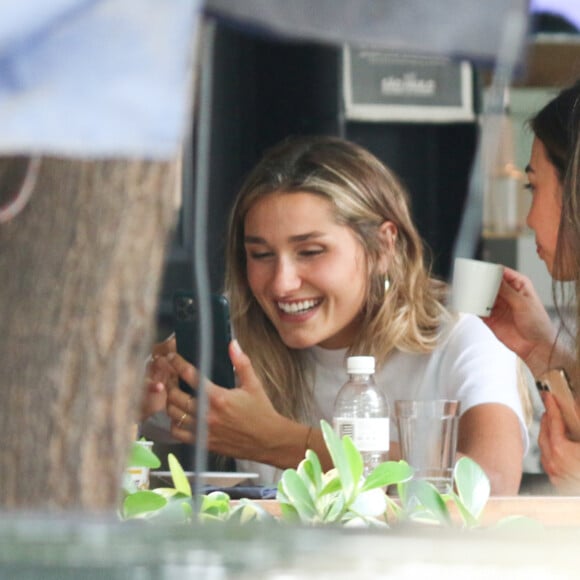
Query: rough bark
pixel 80 269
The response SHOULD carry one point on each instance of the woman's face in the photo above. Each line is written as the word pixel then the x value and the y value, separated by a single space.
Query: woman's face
pixel 307 272
pixel 544 214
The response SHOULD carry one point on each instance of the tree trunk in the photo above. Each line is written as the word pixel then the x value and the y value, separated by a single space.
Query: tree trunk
pixel 81 269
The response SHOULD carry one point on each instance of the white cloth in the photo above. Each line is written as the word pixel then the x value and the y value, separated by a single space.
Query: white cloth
pixel 469 364
pixel 413 26
pixel 96 77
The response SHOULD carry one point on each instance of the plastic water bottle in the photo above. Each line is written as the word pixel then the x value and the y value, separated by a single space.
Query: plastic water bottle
pixel 362 411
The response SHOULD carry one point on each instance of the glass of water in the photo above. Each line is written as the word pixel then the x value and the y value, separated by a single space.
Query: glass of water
pixel 428 438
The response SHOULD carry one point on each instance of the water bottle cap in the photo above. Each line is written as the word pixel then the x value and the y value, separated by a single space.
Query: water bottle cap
pixel 360 364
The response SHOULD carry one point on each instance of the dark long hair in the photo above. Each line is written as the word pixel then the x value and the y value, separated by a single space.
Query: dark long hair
pixel 557 126
pixel 568 246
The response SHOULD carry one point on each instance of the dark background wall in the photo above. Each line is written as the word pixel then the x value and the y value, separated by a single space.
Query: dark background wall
pixel 265 89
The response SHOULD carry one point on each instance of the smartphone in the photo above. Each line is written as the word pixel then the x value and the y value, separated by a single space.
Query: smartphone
pixel 556 382
pixel 187 337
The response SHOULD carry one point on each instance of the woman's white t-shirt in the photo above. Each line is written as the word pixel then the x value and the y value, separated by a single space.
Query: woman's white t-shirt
pixel 470 364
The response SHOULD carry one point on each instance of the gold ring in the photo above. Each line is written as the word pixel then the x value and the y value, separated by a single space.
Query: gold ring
pixel 180 422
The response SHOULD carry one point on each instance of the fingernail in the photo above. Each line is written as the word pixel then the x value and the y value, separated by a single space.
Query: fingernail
pixel 170 356
pixel 236 346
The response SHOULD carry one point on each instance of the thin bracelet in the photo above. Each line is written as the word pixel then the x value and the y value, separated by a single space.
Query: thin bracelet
pixel 306 445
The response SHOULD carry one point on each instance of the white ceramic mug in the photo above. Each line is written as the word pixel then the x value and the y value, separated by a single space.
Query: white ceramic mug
pixel 475 285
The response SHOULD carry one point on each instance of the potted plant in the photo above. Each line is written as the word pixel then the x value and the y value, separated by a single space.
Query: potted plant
pixel 307 495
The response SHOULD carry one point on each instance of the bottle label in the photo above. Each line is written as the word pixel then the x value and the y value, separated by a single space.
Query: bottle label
pixel 368 434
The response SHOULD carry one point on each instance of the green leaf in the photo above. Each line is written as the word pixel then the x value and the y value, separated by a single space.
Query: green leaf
pixel 371 503
pixel 354 459
pixel 289 513
pixel 205 517
pixel 519 524
pixel 468 519
pixel 187 508
pixel 317 468
pixel 305 470
pixel 168 492
pixel 388 473
pixel 262 513
pixel 297 494
pixel 313 470
pixel 422 499
pixel 354 521
pixel 402 492
pixel 179 509
pixel 242 514
pixel 472 484
pixel 248 511
pixel 339 458
pixel 178 476
pixel 280 495
pixel 141 456
pixel 333 485
pixel 216 503
pixel 142 502
pixel 335 510
pixel 395 508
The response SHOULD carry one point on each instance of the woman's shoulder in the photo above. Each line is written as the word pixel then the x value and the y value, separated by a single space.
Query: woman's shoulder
pixel 465 329
pixel 466 323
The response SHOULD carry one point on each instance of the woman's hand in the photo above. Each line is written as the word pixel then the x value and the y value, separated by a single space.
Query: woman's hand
pixel 159 378
pixel 560 456
pixel 521 322
pixel 242 422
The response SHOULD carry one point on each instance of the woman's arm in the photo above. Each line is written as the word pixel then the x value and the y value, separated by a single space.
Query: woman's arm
pixel 490 434
pixel 242 422
pixel 484 376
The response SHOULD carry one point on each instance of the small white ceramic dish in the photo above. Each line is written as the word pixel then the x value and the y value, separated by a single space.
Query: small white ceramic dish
pixel 216 478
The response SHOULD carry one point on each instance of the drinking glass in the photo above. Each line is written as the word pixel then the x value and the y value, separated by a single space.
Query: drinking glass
pixel 428 438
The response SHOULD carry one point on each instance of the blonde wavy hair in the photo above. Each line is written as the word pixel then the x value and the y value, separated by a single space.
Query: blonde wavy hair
pixel 364 194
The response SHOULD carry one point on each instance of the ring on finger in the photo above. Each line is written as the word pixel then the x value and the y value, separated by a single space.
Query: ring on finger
pixel 181 420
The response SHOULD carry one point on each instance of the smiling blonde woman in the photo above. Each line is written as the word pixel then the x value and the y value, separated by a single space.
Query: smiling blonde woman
pixel 317 230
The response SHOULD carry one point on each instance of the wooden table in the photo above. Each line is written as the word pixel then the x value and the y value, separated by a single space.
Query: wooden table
pixel 557 511
pixel 549 510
